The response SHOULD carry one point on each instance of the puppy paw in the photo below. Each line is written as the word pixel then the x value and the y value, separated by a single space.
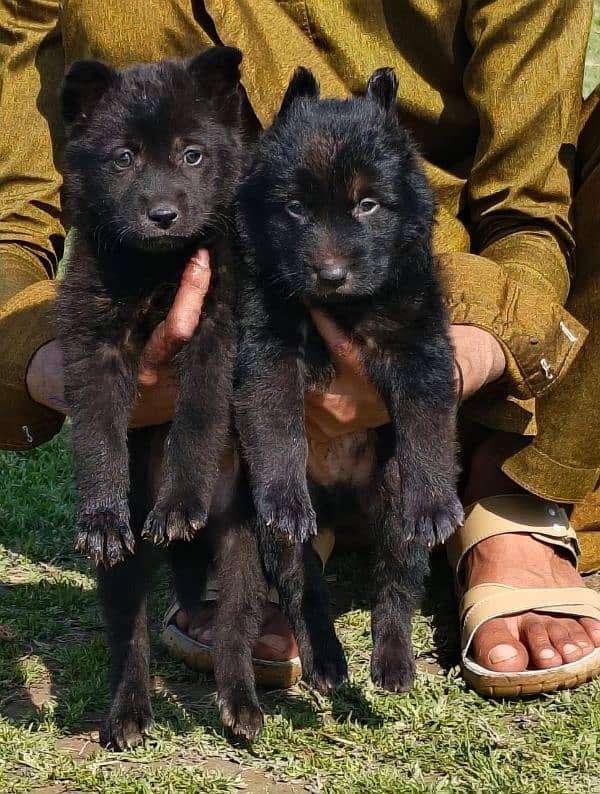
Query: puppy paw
pixel 127 724
pixel 240 713
pixel 103 534
pixel 290 517
pixel 327 674
pixel 325 667
pixel 432 521
pixel 393 664
pixel 174 519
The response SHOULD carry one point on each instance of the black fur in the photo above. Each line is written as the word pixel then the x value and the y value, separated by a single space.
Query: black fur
pixel 153 157
pixel 336 213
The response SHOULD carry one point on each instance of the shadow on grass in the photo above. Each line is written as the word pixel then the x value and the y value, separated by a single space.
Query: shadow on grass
pixel 55 661
pixel 440 604
pixel 349 702
pixel 349 588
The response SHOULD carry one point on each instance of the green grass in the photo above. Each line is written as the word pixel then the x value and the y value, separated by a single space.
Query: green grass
pixel 438 738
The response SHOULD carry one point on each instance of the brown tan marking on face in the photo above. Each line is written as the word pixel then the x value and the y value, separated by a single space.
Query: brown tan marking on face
pixel 319 156
pixel 360 187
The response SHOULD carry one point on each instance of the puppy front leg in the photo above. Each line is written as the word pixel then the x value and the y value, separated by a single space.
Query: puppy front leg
pixel 419 395
pixel 198 434
pixel 99 391
pixel 269 411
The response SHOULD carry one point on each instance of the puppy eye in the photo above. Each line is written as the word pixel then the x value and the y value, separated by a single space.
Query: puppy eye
pixel 124 160
pixel 296 209
pixel 192 157
pixel 367 206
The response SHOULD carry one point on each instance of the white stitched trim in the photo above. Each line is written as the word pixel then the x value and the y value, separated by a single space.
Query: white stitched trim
pixel 568 333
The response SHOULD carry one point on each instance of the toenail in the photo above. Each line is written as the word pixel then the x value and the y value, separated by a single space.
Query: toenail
pixel 274 642
pixel 502 653
pixel 570 648
pixel 547 653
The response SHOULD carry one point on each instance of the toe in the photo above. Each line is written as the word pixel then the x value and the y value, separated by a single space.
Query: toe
pixel 569 638
pixel 276 642
pixel 592 629
pixel 534 634
pixel 202 621
pixel 496 648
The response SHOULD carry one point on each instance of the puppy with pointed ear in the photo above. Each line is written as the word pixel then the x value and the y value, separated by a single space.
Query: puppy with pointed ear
pixel 336 213
pixel 152 164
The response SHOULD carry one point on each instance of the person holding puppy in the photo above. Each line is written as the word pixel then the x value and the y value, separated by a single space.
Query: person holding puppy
pixel 513 159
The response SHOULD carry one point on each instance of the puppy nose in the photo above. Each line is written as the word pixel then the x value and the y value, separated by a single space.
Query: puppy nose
pixel 333 276
pixel 162 214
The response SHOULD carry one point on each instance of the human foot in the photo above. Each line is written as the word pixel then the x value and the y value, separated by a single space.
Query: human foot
pixel 528 640
pixel 275 644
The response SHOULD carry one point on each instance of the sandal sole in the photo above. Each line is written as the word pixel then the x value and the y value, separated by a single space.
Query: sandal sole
pixel 531 682
pixel 198 656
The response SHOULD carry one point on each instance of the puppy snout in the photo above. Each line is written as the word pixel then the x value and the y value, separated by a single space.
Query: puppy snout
pixel 163 215
pixel 333 274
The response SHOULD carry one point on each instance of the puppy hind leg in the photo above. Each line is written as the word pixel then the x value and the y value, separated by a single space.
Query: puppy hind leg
pixel 190 562
pixel 398 574
pixel 122 589
pixel 296 571
pixel 242 597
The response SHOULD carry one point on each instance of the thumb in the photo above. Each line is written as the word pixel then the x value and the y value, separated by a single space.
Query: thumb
pixel 181 321
pixel 343 350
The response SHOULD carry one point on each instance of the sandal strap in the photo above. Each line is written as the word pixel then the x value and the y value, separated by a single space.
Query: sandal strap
pixel 494 600
pixel 511 513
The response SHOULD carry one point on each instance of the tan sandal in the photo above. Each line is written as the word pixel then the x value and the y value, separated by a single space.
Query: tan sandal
pixel 199 655
pixel 548 523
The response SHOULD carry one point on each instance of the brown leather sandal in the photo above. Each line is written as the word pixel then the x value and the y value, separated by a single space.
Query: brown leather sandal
pixel 548 523
pixel 199 655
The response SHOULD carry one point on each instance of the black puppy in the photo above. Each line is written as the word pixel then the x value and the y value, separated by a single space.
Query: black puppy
pixel 152 161
pixel 153 158
pixel 336 213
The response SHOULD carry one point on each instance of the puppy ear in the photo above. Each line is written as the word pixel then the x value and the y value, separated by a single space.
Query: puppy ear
pixel 85 82
pixel 217 70
pixel 382 89
pixel 302 84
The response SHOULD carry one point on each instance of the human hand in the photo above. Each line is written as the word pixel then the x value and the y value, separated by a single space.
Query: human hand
pixel 353 404
pixel 157 389
pixel 478 356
